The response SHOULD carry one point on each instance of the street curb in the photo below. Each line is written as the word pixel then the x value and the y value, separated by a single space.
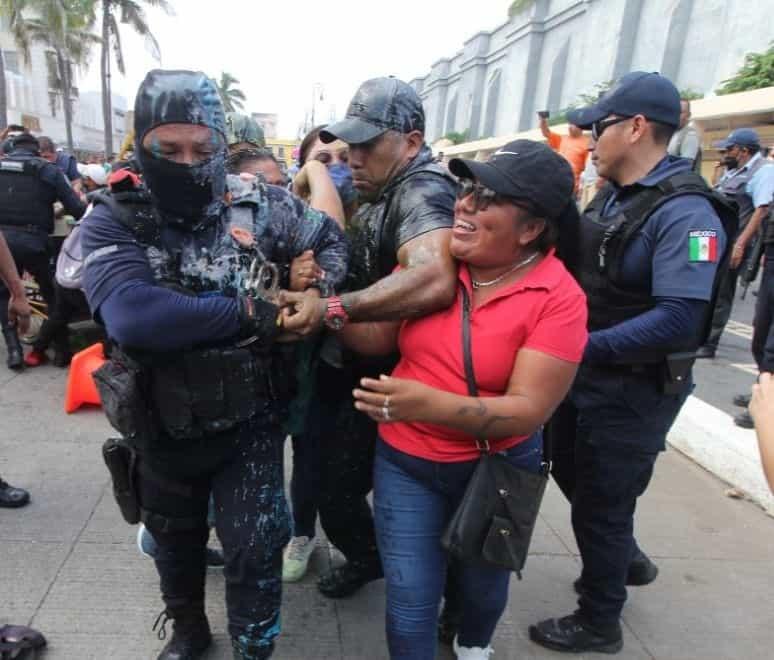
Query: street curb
pixel 708 436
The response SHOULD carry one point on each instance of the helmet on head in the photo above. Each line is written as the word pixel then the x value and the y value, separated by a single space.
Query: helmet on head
pixel 241 128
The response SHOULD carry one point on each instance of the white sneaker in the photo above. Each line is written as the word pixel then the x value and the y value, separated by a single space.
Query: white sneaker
pixel 296 558
pixel 473 653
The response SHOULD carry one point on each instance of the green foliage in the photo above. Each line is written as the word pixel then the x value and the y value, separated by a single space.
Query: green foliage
pixel 233 98
pixel 518 5
pixel 560 117
pixel 689 94
pixel 590 98
pixel 456 137
pixel 756 72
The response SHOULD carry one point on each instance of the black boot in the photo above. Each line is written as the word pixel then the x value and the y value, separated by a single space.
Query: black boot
pixel 642 571
pixel 15 352
pixel 191 632
pixel 345 580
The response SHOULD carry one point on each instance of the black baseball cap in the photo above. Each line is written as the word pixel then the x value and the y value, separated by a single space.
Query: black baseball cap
pixel 637 93
pixel 523 169
pixel 379 105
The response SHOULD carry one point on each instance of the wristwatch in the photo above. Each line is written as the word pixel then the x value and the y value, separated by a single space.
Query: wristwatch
pixel 335 314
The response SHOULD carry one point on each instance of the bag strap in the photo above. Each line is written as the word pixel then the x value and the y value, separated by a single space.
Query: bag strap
pixel 482 444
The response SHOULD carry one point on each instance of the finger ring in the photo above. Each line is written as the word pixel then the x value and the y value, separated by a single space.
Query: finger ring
pixel 386 413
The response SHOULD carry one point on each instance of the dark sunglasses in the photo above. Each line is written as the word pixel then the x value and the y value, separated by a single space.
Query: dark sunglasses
pixel 483 196
pixel 599 127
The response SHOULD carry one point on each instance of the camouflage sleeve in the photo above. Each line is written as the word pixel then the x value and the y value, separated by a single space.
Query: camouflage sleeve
pixel 305 228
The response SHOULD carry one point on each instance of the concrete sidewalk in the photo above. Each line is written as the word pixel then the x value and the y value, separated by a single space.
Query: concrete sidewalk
pixel 69 566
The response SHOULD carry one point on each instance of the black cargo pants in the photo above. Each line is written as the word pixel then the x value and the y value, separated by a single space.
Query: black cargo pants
pixel 243 470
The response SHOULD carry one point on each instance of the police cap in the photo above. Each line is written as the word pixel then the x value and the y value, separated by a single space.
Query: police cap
pixel 637 93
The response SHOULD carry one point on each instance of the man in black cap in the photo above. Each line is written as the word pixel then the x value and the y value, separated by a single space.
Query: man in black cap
pixel 400 267
pixel 29 186
pixel 652 243
pixel 196 383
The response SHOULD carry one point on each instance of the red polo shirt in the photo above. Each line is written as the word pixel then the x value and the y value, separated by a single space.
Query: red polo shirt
pixel 544 311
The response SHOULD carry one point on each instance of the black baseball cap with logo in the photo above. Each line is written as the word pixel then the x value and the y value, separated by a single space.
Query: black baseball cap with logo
pixel 525 170
pixel 379 105
pixel 638 93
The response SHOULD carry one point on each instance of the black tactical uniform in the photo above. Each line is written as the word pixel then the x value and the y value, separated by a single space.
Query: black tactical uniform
pixel 29 186
pixel 195 383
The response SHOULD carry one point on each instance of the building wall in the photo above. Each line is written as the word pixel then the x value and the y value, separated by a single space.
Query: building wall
pixel 555 50
pixel 28 97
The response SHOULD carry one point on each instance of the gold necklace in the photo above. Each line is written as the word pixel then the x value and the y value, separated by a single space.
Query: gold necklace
pixel 529 259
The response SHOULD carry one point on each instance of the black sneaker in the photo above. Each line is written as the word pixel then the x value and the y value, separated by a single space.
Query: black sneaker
pixel 742 400
pixel 745 420
pixel 570 635
pixel 345 580
pixel 12 498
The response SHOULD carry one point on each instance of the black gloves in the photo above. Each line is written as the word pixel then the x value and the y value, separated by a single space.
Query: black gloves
pixel 258 319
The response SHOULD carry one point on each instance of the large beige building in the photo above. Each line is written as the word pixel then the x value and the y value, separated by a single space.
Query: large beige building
pixel 553 51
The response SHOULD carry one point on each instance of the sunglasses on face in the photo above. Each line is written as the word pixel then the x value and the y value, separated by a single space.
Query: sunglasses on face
pixel 599 127
pixel 483 196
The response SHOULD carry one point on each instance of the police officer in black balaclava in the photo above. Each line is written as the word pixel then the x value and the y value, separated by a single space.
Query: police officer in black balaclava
pixel 196 383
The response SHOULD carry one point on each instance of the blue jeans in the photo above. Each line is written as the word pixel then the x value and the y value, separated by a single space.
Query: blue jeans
pixel 414 499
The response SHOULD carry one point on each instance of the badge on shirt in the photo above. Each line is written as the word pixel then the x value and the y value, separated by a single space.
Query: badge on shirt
pixel 703 245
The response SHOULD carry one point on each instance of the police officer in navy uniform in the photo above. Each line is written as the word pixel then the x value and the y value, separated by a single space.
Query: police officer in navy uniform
pixel 29 186
pixel 748 182
pixel 196 383
pixel 653 241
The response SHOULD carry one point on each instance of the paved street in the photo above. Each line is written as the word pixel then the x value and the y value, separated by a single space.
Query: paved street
pixel 69 566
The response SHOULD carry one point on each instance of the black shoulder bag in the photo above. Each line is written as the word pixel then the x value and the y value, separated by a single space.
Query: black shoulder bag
pixel 493 524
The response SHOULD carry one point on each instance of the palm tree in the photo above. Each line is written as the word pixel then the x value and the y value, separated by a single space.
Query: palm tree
pixel 131 12
pixel 233 98
pixel 64 26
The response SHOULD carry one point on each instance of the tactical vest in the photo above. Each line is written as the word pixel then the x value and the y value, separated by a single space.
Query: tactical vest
pixel 604 241
pixel 24 198
pixel 735 186
pixel 188 394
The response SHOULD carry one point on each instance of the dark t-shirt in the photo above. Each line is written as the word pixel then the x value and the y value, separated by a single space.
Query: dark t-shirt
pixel 418 201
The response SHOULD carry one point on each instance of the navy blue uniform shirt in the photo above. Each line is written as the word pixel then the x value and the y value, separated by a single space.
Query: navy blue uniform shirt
pixel 672 257
pixel 128 284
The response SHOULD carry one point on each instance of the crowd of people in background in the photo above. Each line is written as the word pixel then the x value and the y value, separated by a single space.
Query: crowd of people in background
pixel 584 276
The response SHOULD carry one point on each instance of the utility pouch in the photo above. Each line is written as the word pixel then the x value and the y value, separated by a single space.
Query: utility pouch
pixel 675 371
pixel 119 382
pixel 172 401
pixel 121 461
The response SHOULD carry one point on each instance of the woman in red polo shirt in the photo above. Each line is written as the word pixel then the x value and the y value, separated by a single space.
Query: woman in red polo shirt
pixel 513 218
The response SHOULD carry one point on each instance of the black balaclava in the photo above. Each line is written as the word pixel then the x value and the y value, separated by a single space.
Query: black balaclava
pixel 186 194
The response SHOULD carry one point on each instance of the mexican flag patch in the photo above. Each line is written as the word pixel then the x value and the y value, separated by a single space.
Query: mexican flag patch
pixel 703 246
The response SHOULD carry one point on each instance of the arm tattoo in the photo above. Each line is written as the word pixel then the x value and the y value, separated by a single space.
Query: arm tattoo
pixel 487 421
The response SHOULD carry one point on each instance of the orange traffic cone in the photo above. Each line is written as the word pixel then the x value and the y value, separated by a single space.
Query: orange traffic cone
pixel 80 385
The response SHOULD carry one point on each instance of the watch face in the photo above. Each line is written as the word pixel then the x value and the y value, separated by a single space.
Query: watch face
pixel 335 322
